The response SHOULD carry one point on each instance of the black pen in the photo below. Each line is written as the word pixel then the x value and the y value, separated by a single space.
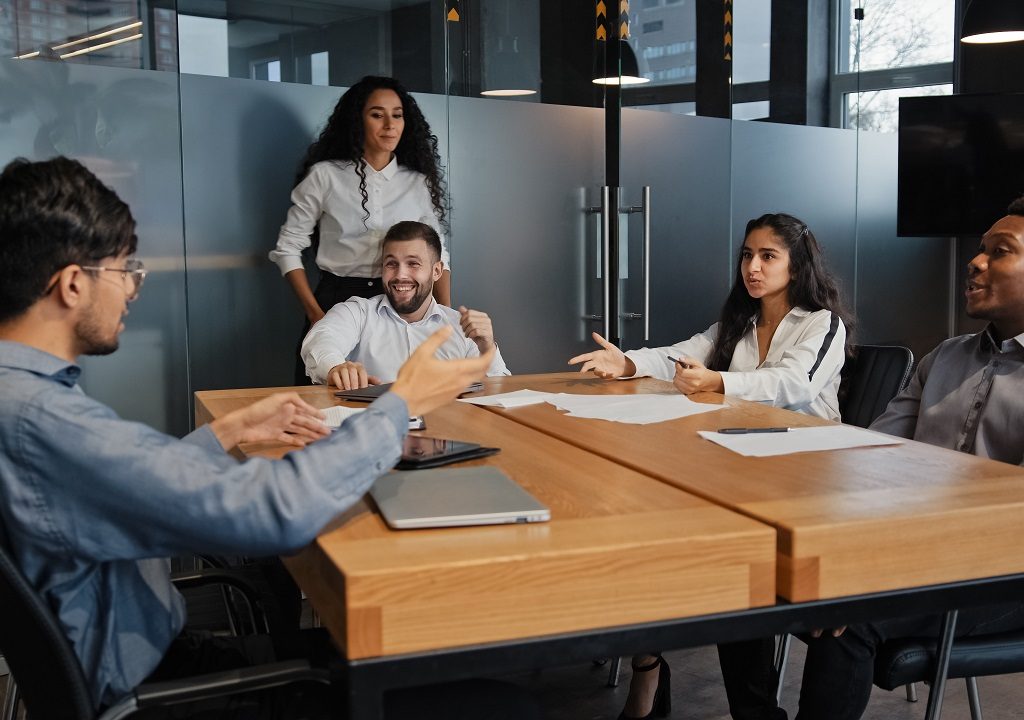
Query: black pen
pixel 745 431
pixel 678 360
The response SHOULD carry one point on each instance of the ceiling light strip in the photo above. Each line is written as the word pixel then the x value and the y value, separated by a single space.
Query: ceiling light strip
pixel 93 48
pixel 105 33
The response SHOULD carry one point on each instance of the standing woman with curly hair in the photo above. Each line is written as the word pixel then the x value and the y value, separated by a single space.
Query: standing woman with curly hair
pixel 375 163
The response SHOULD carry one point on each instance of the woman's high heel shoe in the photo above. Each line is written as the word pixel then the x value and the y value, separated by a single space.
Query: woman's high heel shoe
pixel 662 704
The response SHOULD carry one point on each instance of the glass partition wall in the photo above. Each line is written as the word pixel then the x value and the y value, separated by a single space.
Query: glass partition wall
pixel 198 114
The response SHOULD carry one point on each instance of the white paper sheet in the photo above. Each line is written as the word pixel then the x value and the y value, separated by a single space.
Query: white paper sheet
pixel 797 440
pixel 336 414
pixel 640 409
pixel 519 398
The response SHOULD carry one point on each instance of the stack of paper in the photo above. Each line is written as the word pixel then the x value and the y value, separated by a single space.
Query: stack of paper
pixel 640 409
pixel 828 437
pixel 337 414
pixel 519 398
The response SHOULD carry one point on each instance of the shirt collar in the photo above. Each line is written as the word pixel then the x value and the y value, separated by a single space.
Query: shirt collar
pixel 388 171
pixel 24 357
pixel 795 312
pixel 988 341
pixel 385 308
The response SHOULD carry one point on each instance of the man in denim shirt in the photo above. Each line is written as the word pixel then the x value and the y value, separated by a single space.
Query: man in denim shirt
pixel 92 504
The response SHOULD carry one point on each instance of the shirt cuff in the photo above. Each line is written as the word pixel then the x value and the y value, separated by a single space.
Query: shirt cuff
pixel 203 437
pixel 287 263
pixel 323 368
pixel 737 384
pixel 395 409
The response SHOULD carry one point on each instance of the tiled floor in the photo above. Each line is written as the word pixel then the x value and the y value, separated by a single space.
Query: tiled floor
pixel 579 692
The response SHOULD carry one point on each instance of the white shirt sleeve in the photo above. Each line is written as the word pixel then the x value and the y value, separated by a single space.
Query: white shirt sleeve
pixel 308 199
pixel 655 363
pixel 330 341
pixel 789 381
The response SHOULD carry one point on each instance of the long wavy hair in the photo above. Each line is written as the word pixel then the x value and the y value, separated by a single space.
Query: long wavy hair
pixel 342 140
pixel 811 286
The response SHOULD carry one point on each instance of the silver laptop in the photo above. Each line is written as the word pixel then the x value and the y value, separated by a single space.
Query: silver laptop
pixel 449 497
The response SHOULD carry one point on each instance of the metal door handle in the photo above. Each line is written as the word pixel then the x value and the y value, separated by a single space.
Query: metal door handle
pixel 646 205
pixel 606 261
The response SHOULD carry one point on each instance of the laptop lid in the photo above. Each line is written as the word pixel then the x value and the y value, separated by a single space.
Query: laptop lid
pixel 450 497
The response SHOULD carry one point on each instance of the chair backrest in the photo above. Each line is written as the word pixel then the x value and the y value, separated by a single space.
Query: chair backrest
pixel 50 679
pixel 872 376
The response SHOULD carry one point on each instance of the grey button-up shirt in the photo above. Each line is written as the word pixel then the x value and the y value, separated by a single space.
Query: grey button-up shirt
pixel 967 395
pixel 93 504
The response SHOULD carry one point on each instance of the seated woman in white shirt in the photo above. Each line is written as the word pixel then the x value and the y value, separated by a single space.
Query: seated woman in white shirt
pixel 374 164
pixel 781 339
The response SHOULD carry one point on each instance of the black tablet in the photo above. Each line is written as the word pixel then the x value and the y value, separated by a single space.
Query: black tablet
pixel 425 452
pixel 372 392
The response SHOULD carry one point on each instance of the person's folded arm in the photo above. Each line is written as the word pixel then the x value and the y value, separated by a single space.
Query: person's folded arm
pixel 330 341
pixel 125 491
pixel 654 362
pixel 303 215
pixel 789 382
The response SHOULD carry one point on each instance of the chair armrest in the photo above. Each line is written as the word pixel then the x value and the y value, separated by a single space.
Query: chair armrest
pixel 217 576
pixel 211 685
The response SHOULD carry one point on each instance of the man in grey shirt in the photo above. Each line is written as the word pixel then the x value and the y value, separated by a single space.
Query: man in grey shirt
pixel 966 395
pixel 91 503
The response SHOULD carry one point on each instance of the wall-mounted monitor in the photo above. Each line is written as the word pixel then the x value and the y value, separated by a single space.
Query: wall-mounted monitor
pixel 961 162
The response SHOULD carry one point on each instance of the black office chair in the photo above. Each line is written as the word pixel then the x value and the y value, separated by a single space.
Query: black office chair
pixel 909 660
pixel 871 377
pixel 50 681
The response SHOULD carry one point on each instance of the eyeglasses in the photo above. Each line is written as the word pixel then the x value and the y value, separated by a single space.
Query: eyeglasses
pixel 132 268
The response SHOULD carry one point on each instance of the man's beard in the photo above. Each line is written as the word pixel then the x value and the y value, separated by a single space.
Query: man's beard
pixel 90 336
pixel 414 303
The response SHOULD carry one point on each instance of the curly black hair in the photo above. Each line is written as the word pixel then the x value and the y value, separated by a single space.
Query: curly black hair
pixel 811 287
pixel 1016 207
pixel 342 139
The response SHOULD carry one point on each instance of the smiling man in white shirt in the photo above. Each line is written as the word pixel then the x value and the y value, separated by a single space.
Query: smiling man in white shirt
pixel 363 342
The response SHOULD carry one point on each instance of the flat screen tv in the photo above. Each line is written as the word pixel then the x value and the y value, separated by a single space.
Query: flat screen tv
pixel 961 162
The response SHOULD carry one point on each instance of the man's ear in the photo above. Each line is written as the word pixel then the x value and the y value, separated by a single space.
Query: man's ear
pixel 71 289
pixel 437 270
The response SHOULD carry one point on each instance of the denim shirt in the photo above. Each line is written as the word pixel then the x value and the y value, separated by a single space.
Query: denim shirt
pixel 93 505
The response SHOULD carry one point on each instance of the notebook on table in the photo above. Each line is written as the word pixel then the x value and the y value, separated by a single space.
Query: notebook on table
pixel 451 497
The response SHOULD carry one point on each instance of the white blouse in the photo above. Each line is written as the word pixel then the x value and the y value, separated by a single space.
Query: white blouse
pixel 800 371
pixel 329 194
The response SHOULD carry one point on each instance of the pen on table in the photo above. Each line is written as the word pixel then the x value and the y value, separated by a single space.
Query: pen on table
pixel 745 431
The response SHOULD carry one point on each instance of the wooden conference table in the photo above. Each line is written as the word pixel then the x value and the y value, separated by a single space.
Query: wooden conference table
pixel 658 538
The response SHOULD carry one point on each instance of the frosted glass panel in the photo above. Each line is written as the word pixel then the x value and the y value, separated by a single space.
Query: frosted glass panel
pixel 123 125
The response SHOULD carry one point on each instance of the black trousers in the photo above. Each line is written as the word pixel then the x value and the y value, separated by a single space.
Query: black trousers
pixel 331 290
pixel 839 671
pixel 192 653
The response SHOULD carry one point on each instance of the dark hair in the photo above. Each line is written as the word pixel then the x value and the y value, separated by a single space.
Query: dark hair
pixel 811 286
pixel 1016 207
pixel 54 214
pixel 342 140
pixel 412 230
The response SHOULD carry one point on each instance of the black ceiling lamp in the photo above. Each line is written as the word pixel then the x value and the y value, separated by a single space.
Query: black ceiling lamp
pixel 628 70
pixel 506 70
pixel 993 21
